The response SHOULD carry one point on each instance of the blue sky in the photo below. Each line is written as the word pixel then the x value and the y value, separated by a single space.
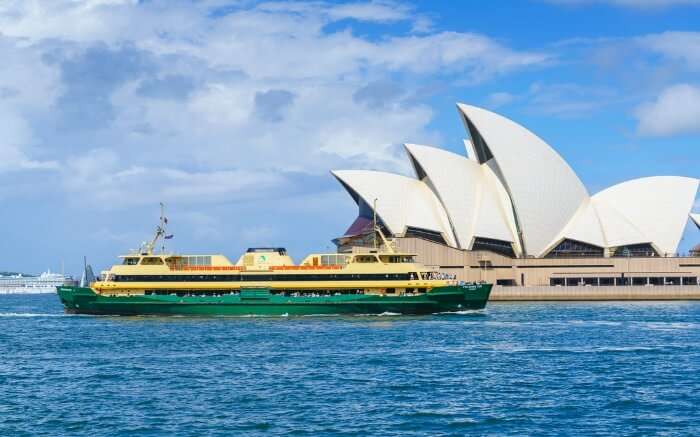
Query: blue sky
pixel 233 112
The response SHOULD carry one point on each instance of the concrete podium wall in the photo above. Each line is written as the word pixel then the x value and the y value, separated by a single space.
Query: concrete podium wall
pixel 547 293
pixel 474 266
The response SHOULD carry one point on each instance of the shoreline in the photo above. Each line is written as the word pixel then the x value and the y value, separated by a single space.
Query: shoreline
pixel 598 293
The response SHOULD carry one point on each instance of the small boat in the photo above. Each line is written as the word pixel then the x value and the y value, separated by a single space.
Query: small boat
pixel 266 282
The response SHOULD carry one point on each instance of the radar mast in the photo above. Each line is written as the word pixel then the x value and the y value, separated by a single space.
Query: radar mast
pixel 148 248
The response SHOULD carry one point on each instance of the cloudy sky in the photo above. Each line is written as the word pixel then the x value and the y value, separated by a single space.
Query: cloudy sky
pixel 233 112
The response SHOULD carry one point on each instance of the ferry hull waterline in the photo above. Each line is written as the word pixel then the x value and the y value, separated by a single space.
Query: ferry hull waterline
pixel 261 302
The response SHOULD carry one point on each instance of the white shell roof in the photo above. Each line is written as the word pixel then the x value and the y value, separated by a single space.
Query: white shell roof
pixel 469 193
pixel 526 188
pixel 401 201
pixel 544 190
pixel 584 226
pixel 618 229
pixel 656 206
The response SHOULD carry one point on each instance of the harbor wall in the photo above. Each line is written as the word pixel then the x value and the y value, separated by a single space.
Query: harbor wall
pixel 636 273
pixel 600 293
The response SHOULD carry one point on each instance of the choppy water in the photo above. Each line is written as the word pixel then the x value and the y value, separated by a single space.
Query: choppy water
pixel 515 369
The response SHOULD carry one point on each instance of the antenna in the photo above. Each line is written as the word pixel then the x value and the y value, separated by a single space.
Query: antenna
pixel 147 248
pixel 163 222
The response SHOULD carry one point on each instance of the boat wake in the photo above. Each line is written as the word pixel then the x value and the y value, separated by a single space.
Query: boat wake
pixel 18 315
pixel 384 314
pixel 461 312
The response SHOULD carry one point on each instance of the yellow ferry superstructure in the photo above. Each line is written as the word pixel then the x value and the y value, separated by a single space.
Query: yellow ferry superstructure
pixel 374 272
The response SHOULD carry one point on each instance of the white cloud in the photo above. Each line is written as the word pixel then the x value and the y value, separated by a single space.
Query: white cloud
pixel 371 11
pixel 568 99
pixel 678 46
pixel 675 111
pixel 501 98
pixel 564 100
pixel 15 141
pixel 121 183
pixel 101 107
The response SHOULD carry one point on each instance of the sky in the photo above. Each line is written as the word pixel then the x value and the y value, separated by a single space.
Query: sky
pixel 233 113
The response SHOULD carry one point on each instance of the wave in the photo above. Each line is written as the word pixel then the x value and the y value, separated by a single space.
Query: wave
pixel 18 315
pixel 384 314
pixel 462 312
pixel 668 326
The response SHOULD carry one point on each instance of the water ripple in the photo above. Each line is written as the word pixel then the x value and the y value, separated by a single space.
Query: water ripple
pixel 514 369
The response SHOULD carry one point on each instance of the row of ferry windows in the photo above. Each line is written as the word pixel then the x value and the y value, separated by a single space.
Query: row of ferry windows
pixel 388 259
pixel 325 260
pixel 620 281
pixel 334 260
pixel 268 278
pixel 182 261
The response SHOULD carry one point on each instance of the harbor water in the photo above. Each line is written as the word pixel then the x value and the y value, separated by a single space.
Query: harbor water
pixel 605 368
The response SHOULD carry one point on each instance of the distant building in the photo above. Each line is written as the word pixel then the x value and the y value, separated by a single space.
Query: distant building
pixel 512 203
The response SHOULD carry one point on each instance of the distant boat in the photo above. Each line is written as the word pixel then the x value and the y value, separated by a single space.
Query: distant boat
pixel 27 284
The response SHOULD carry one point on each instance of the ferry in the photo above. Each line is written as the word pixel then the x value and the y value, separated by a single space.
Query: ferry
pixel 266 282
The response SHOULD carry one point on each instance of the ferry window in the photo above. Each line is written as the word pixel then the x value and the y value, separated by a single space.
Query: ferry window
pixel 174 262
pixel 131 261
pixel 554 282
pixel 396 259
pixel 673 281
pixel 197 260
pixel 333 260
pixel 151 261
pixel 366 259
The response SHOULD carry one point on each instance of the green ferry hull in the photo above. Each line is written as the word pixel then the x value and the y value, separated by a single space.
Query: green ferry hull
pixel 260 302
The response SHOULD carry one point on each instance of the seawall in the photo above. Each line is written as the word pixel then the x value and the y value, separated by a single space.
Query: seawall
pixel 582 293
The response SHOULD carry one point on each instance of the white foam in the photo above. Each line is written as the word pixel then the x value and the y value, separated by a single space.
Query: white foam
pixel 664 326
pixel 463 312
pixel 31 315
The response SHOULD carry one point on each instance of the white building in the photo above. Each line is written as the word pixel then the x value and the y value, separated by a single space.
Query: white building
pixel 513 194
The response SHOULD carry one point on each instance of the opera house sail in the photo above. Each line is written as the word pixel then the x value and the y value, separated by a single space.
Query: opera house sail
pixel 513 195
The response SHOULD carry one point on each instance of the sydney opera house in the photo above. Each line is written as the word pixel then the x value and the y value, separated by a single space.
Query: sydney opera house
pixel 512 211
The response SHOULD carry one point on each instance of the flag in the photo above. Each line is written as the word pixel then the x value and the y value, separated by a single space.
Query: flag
pixel 169 237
